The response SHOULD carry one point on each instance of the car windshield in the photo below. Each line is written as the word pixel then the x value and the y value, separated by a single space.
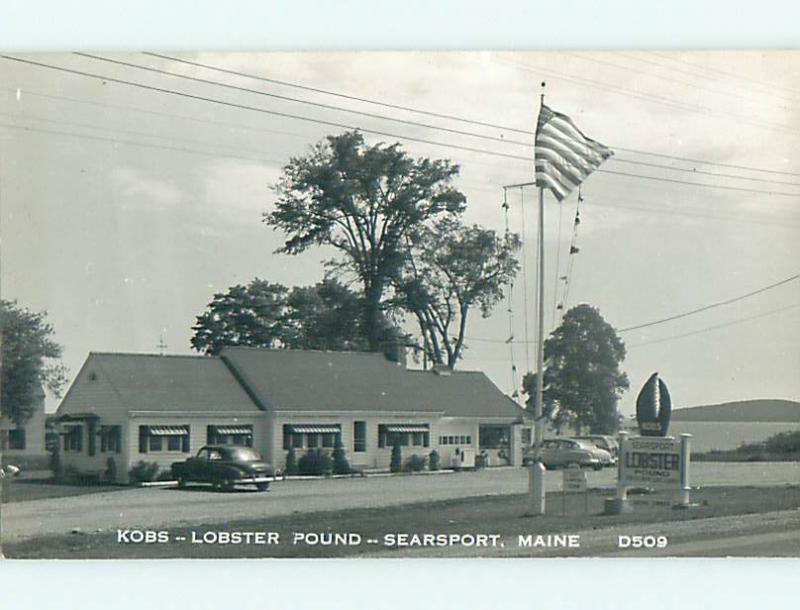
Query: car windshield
pixel 584 444
pixel 243 454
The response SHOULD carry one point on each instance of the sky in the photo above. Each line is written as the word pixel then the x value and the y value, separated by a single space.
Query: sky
pixel 123 209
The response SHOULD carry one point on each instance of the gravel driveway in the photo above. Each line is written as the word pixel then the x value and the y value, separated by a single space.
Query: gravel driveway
pixel 164 507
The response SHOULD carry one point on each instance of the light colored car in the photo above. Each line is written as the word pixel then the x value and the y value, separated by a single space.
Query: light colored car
pixel 608 443
pixel 564 452
pixel 9 470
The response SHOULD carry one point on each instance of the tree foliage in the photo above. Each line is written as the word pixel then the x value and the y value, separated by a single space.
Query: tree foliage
pixel 264 314
pixel 364 201
pixel 30 361
pixel 252 315
pixel 451 269
pixel 583 380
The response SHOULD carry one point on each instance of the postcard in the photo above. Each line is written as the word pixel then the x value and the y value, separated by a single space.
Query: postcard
pixel 459 304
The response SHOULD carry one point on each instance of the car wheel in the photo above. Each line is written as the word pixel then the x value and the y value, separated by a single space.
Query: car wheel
pixel 262 486
pixel 181 482
pixel 598 466
pixel 226 485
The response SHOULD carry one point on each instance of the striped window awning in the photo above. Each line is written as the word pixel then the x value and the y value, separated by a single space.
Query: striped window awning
pixel 407 428
pixel 232 429
pixel 167 430
pixel 315 429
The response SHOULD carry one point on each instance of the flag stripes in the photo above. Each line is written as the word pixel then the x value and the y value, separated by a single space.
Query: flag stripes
pixel 564 157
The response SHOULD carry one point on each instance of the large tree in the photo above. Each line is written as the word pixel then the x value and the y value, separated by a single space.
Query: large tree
pixel 30 361
pixel 451 269
pixel 583 380
pixel 363 201
pixel 252 315
pixel 264 314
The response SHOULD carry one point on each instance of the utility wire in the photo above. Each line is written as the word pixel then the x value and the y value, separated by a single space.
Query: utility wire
pixel 714 327
pixel 681 315
pixel 439 115
pixel 356 98
pixel 285 98
pixel 712 306
pixel 366 130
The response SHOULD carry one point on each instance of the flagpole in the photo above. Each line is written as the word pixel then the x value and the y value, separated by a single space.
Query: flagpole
pixel 536 491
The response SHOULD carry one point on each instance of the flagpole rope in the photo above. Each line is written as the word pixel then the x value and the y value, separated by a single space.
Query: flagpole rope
pixel 558 264
pixel 510 310
pixel 525 279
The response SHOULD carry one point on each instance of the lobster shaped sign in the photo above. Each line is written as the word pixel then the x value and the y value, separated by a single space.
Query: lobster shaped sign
pixel 653 407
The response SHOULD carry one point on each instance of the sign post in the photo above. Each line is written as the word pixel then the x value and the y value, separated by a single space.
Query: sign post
pixel 686 442
pixel 574 481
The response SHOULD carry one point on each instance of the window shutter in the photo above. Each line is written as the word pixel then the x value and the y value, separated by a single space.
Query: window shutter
pixel 143 439
pixel 118 436
pixel 186 440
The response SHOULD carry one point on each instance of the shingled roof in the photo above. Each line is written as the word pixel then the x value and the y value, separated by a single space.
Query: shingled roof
pixel 149 382
pixel 290 380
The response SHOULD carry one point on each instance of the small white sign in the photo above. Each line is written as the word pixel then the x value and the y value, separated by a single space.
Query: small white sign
pixel 650 460
pixel 574 480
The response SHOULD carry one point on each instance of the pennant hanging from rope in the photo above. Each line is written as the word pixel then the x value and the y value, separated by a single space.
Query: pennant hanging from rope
pixel 564 157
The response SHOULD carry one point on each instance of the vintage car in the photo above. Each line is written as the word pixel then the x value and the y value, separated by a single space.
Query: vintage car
pixel 224 466
pixel 564 452
pixel 609 443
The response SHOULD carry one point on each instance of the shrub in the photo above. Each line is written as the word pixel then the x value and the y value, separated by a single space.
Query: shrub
pixel 56 465
pixel 340 463
pixel 415 463
pixel 396 465
pixel 111 470
pixel 784 442
pixel 143 472
pixel 291 462
pixel 434 461
pixel 315 462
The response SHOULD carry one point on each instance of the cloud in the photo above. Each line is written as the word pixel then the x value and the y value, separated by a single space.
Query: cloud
pixel 135 188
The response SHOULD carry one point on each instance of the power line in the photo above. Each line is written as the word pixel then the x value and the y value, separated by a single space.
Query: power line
pixel 388 118
pixel 712 306
pixel 134 143
pixel 498 139
pixel 664 78
pixel 677 316
pixel 714 327
pixel 356 98
pixel 654 98
pixel 767 88
pixel 366 130
pixel 439 115
pixel 285 98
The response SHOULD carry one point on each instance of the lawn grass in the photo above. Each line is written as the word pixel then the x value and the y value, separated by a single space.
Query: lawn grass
pixel 501 515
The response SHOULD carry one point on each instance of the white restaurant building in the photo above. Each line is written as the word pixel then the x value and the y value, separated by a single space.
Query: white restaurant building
pixel 126 408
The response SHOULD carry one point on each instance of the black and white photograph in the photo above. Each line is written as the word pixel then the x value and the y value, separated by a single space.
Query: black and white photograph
pixel 400 304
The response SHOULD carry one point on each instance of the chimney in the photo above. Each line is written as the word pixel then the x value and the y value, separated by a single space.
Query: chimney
pixel 442 370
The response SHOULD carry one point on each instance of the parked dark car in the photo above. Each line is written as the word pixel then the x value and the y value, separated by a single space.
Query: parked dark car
pixel 224 466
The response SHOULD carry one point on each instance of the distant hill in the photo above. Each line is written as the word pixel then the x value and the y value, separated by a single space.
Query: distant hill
pixel 761 410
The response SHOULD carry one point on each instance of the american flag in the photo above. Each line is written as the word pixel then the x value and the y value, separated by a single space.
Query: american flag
pixel 564 156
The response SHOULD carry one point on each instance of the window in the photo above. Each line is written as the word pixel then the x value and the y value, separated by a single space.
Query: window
pixel 16 438
pixel 237 435
pixel 310 435
pixel 73 440
pixel 359 436
pixel 164 438
pixel 328 440
pixel 526 436
pixel 110 439
pixel 494 436
pixel 469 439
